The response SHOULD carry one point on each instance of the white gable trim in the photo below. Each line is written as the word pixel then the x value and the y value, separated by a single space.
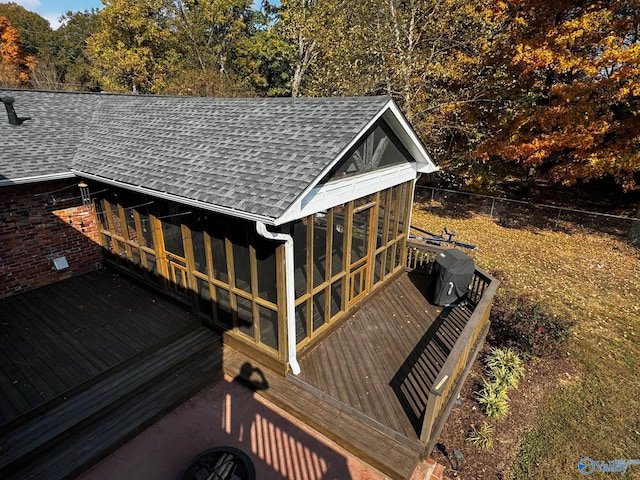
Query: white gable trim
pixel 341 191
pixel 314 197
pixel 405 133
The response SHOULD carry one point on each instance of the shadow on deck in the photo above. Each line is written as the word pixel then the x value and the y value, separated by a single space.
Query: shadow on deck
pixel 382 384
pixel 86 364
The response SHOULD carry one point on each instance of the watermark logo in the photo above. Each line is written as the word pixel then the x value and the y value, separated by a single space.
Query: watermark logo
pixel 587 465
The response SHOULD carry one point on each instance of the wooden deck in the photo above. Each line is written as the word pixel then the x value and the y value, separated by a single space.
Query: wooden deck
pixel 87 363
pixel 367 384
pixel 383 360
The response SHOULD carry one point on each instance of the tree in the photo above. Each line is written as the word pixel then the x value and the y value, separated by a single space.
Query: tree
pixel 14 65
pixel 428 55
pixel 262 60
pixel 35 31
pixel 69 49
pixel 300 22
pixel 134 49
pixel 574 110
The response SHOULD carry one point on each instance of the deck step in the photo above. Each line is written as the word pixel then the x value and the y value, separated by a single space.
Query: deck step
pixel 94 422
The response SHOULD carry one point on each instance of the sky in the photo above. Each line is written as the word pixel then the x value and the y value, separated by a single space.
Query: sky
pixel 52 10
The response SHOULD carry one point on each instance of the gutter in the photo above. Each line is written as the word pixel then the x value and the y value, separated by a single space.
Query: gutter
pixel 178 199
pixel 36 178
pixel 290 291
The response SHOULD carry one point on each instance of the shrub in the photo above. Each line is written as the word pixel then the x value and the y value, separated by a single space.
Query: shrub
pixel 505 367
pixel 526 326
pixel 493 399
pixel 481 437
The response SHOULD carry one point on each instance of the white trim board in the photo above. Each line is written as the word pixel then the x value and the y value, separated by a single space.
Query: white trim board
pixel 337 192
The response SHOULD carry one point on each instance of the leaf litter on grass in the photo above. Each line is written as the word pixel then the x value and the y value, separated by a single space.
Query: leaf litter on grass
pixel 594 281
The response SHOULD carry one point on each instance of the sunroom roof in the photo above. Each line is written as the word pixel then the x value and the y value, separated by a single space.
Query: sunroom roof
pixel 246 157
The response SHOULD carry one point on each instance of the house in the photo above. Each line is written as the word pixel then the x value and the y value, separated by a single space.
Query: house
pixel 274 220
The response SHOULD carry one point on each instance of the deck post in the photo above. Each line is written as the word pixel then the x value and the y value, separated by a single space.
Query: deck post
pixel 428 419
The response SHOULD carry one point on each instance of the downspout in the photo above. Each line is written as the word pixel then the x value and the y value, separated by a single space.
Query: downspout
pixel 290 291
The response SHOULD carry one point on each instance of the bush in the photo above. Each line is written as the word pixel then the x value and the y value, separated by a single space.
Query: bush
pixel 481 437
pixel 493 400
pixel 526 326
pixel 505 367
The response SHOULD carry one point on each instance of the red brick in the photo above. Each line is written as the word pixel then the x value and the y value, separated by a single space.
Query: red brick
pixel 34 230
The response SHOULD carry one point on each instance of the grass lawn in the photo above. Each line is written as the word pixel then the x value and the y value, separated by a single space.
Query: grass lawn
pixel 594 280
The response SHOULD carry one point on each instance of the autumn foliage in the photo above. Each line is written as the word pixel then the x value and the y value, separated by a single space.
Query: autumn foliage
pixel 14 69
pixel 572 112
pixel 495 89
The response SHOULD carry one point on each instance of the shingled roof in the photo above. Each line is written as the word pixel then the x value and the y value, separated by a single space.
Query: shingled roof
pixel 44 146
pixel 254 156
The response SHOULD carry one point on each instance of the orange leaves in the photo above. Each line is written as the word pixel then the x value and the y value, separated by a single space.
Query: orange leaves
pixel 14 66
pixel 578 93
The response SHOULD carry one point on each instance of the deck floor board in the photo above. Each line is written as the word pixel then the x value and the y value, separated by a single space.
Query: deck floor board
pixel 54 338
pixel 365 384
pixel 385 357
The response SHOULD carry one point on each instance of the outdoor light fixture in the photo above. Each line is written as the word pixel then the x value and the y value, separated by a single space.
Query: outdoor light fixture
pixel 457 454
pixel 60 263
pixel 84 193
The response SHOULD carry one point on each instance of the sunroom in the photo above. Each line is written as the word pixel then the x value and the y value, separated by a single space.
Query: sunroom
pixel 277 261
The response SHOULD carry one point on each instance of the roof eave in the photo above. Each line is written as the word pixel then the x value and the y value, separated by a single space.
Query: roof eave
pixel 179 199
pixel 36 179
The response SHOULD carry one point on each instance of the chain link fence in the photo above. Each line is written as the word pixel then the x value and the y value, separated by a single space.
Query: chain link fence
pixel 522 214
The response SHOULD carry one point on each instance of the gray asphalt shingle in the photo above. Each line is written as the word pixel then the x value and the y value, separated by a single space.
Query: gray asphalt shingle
pixel 254 155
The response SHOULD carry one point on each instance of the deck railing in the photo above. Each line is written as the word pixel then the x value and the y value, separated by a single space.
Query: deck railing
pixel 446 387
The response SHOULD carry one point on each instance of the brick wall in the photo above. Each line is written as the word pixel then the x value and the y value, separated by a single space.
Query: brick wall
pixel 38 223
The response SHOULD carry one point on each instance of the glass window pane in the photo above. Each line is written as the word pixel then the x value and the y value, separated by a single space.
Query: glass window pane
pixel 301 322
pixel 132 233
pixel 319 310
pixel 388 262
pixel 377 271
pixel 117 224
pixel 336 297
pixel 223 307
pixel 360 235
pixel 363 200
pixel 204 298
pixel 402 210
pixel 398 259
pixel 245 316
pixel 135 256
pixel 151 262
pixel 319 248
pixel 393 213
pixel 378 150
pixel 268 327
pixel 300 256
pixel 147 234
pixel 241 261
pixel 380 237
pixel 219 257
pixel 199 251
pixel 172 237
pixel 266 261
pixel 337 246
pixel 100 214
